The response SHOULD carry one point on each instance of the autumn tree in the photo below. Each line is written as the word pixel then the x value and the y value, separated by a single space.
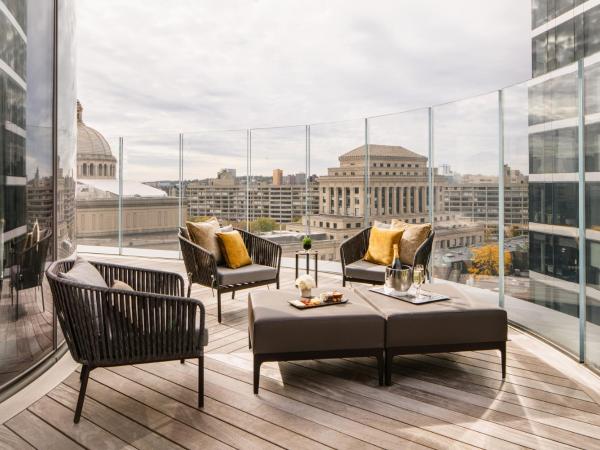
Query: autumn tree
pixel 486 260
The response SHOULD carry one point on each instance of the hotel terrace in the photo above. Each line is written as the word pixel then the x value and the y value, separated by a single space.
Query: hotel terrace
pixel 121 327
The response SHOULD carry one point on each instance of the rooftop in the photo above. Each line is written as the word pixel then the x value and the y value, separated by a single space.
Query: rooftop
pixel 451 400
pixel 382 151
pixel 90 143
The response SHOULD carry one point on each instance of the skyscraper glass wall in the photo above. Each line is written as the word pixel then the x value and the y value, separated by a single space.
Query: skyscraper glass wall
pixel 37 100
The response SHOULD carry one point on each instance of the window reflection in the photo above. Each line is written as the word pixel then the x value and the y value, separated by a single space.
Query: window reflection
pixel 27 179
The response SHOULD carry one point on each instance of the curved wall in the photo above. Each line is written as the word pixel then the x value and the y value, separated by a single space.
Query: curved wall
pixel 37 123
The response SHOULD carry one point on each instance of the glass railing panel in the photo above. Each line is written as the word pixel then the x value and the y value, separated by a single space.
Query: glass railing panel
pixel 277 188
pixel 336 185
pixel 399 153
pixel 466 208
pixel 541 282
pixel 97 197
pixel 150 213
pixel 592 209
pixel 399 156
pixel 214 177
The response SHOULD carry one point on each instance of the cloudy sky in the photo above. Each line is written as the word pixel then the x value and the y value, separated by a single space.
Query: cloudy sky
pixel 149 69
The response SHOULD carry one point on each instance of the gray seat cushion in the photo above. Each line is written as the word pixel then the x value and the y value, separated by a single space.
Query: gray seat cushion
pixel 84 273
pixel 246 274
pixel 464 319
pixel 366 270
pixel 275 326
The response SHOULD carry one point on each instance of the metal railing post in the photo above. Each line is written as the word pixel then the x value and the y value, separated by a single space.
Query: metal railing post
pixel 431 184
pixel 248 174
pixel 307 181
pixel 180 190
pixel 581 195
pixel 501 198
pixel 367 196
pixel 120 208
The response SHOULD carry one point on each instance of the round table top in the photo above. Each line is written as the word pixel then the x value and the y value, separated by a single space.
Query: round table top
pixel 307 252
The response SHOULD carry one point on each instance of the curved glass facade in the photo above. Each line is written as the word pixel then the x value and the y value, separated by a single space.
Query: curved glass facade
pixel 37 188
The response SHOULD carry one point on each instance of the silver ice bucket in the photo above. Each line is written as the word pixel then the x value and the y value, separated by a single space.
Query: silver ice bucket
pixel 398 280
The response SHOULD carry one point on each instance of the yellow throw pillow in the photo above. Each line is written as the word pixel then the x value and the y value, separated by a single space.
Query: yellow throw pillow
pixel 233 249
pixel 412 238
pixel 204 234
pixel 381 245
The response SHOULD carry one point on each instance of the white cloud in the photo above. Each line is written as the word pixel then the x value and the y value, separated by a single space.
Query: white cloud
pixel 156 68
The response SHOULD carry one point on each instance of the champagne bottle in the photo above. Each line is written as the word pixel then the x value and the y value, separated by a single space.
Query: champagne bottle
pixel 396 264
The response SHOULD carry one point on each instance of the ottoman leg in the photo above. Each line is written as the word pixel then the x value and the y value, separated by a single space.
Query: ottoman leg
pixel 503 356
pixel 380 367
pixel 389 361
pixel 219 306
pixel 257 363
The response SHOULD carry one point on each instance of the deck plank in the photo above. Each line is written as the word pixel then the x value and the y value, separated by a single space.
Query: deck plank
pixel 240 395
pixel 8 439
pixel 118 424
pixel 173 430
pixel 39 433
pixel 85 433
pixel 544 424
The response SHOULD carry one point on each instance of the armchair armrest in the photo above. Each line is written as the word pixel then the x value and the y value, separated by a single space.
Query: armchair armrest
pixel 142 280
pixel 200 264
pixel 128 327
pixel 261 250
pixel 354 248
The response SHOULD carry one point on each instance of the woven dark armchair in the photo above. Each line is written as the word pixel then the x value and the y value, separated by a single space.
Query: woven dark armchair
pixel 354 248
pixel 27 269
pixel 201 266
pixel 110 327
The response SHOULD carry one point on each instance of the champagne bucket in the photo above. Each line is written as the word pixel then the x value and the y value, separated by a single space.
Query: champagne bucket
pixel 399 280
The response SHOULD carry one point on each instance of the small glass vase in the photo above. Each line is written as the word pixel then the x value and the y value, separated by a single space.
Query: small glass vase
pixel 306 293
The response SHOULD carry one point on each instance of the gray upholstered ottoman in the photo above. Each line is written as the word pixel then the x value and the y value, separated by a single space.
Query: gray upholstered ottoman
pixel 459 324
pixel 280 332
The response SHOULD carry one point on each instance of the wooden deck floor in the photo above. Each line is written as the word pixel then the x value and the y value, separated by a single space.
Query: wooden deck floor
pixel 439 401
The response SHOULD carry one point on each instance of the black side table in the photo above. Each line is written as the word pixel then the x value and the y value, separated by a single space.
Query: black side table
pixel 308 254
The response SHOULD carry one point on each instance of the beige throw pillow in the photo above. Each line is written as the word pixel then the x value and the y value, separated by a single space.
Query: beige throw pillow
pixel 204 234
pixel 85 273
pixel 412 238
pixel 118 284
pixel 382 225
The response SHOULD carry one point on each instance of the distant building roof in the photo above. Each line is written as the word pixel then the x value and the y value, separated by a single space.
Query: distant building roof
pixel 130 188
pixel 376 150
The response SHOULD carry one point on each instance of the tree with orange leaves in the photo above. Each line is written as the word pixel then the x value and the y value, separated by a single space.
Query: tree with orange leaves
pixel 486 260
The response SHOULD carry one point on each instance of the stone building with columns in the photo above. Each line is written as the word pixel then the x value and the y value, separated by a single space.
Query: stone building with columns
pixel 397 189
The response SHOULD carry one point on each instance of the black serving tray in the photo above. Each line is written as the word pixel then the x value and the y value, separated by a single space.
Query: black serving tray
pixel 410 298
pixel 299 305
